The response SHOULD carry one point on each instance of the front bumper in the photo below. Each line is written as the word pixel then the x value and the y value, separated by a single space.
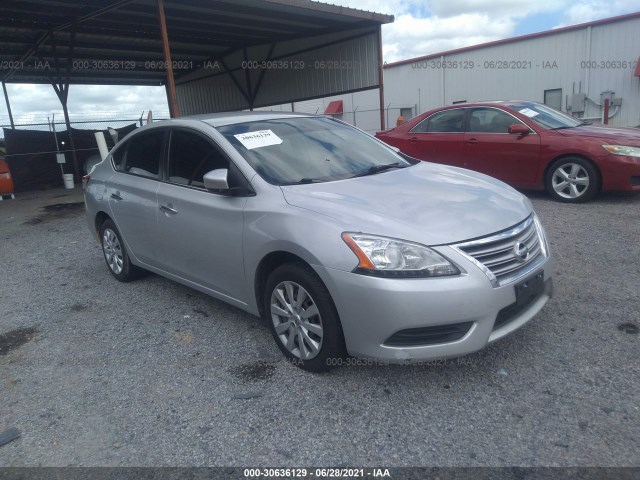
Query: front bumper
pixel 373 309
pixel 620 172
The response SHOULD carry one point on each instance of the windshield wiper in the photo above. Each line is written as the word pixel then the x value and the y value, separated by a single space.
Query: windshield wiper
pixel 570 126
pixel 304 181
pixel 377 169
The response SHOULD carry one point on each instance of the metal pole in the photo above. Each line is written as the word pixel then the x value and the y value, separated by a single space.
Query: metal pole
pixel 442 80
pixel 380 78
pixel 174 110
pixel 388 106
pixel 6 99
pixel 72 144
pixel 55 136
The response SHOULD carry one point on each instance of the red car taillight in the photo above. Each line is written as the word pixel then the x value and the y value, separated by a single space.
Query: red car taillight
pixel 85 181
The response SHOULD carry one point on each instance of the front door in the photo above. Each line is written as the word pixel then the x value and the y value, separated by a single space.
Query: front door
pixel 201 230
pixel 490 148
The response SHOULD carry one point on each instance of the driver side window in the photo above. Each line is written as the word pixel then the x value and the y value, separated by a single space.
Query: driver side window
pixel 490 120
pixel 191 156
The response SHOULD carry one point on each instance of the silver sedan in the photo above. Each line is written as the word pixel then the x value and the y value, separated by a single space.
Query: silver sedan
pixel 341 244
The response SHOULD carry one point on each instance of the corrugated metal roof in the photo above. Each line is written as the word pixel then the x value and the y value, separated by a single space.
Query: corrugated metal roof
pixel 118 41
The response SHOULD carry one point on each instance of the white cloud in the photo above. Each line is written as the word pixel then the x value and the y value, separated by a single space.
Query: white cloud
pixel 589 10
pixel 494 8
pixel 410 37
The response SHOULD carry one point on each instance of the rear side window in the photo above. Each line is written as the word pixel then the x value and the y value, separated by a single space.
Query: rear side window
pixel 191 156
pixel 144 154
pixel 449 121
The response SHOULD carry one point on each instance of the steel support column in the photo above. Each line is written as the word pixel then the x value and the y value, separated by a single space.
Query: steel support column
pixel 6 99
pixel 381 78
pixel 62 91
pixel 174 110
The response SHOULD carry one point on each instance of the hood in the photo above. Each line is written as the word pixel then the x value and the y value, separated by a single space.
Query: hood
pixel 617 136
pixel 427 203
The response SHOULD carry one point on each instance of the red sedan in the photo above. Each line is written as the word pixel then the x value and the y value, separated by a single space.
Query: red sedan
pixel 527 145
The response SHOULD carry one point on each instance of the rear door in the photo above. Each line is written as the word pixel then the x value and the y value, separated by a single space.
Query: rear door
pixel 490 148
pixel 132 193
pixel 438 138
pixel 201 231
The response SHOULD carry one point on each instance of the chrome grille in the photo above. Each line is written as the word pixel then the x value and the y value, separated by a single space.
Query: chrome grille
pixel 496 254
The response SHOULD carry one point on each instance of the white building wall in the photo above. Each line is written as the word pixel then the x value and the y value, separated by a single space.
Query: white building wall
pixel 589 60
pixel 618 42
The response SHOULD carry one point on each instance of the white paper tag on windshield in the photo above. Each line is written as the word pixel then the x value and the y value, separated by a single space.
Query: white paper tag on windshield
pixel 262 138
pixel 528 112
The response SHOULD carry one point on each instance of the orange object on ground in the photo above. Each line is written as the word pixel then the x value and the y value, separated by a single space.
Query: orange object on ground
pixel 399 120
pixel 6 181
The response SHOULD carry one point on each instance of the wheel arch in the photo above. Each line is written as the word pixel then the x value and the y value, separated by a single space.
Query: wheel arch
pixel 268 264
pixel 569 155
pixel 100 218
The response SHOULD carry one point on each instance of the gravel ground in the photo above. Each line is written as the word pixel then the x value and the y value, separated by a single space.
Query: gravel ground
pixel 100 373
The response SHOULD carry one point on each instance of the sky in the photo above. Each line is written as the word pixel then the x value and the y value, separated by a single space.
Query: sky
pixel 421 27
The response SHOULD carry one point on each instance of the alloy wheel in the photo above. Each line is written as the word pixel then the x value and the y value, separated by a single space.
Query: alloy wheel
pixel 570 180
pixel 297 320
pixel 112 251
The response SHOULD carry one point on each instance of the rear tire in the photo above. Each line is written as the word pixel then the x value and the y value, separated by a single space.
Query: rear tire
pixel 303 318
pixel 572 180
pixel 115 253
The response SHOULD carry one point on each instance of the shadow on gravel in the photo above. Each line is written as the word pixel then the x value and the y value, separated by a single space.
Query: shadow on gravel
pixel 15 338
pixel 55 211
pixel 630 328
pixel 251 372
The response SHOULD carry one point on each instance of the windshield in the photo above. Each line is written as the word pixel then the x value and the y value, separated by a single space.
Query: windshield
pixel 546 117
pixel 297 150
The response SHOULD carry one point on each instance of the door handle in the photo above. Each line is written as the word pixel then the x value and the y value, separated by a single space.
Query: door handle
pixel 472 141
pixel 413 140
pixel 116 196
pixel 168 209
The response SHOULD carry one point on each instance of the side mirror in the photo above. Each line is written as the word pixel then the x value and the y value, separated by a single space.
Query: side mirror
pixel 518 129
pixel 216 179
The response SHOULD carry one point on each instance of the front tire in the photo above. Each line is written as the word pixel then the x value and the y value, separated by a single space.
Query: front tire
pixel 302 317
pixel 115 253
pixel 572 180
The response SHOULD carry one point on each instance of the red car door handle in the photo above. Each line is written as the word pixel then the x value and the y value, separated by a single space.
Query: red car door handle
pixel 472 141
pixel 413 139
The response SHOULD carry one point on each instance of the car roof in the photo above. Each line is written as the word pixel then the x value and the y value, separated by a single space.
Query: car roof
pixel 490 103
pixel 229 118
pixel 214 120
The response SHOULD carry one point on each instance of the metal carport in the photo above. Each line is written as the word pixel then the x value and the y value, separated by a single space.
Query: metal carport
pixel 225 54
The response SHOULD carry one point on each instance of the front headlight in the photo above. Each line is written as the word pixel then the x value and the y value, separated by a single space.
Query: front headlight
pixel 390 257
pixel 622 150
